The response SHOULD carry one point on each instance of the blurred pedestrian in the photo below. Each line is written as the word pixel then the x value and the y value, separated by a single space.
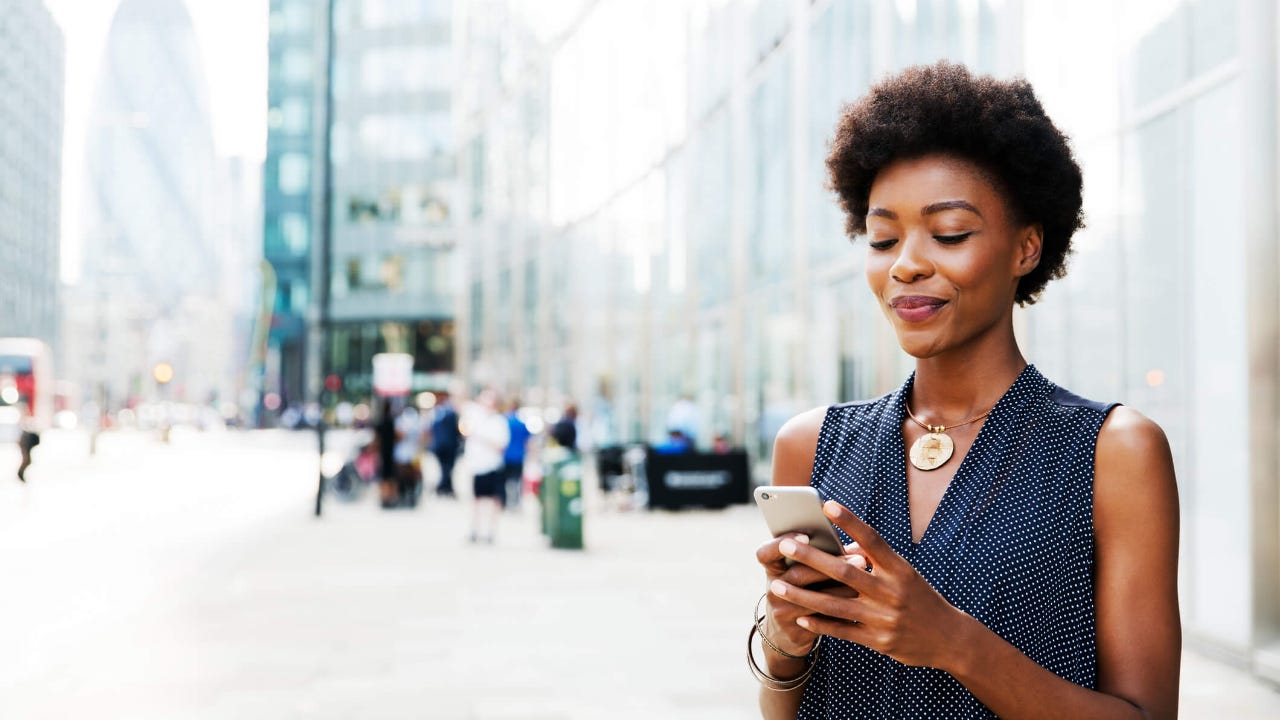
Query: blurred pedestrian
pixel 446 441
pixel 487 440
pixel 513 457
pixel 408 470
pixel 721 445
pixel 28 438
pixel 565 430
pixel 684 416
pixel 675 444
pixel 385 431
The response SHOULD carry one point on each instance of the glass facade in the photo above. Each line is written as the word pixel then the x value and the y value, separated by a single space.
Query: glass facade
pixel 680 240
pixel 295 91
pixel 31 81
pixel 393 211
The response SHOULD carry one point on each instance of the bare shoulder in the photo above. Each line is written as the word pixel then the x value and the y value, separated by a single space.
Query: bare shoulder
pixel 1129 438
pixel 794 448
pixel 1133 466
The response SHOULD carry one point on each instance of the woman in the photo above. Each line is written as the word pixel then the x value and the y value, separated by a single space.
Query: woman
pixel 1012 547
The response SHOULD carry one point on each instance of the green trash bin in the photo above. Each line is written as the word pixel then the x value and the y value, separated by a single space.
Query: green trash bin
pixel 562 498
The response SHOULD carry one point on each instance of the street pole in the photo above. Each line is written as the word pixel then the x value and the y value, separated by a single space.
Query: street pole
pixel 326 246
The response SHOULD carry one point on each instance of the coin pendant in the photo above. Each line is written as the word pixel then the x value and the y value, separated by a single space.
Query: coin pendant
pixel 932 450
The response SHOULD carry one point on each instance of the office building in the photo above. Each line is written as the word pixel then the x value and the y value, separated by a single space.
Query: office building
pixel 31 85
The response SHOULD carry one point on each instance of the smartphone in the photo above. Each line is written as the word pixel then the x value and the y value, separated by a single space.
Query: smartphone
pixel 798 509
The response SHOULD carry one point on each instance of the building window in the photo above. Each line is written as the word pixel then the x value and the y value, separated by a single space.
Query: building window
pixel 298 16
pixel 389 13
pixel 406 136
pixel 294 228
pixel 295 116
pixel 406 69
pixel 295 173
pixel 421 205
pixel 297 66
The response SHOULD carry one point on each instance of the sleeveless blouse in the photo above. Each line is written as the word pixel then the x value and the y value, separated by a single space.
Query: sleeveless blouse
pixel 1011 542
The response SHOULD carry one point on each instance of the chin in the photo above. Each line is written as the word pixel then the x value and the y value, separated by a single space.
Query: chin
pixel 922 345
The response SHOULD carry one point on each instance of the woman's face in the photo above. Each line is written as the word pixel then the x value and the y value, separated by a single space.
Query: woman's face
pixel 944 252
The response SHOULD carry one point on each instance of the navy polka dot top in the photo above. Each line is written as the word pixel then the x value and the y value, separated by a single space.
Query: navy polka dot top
pixel 1011 542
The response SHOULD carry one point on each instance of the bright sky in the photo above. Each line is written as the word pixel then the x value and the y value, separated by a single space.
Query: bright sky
pixel 233 41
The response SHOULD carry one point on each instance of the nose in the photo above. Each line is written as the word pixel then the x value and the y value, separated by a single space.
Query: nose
pixel 912 262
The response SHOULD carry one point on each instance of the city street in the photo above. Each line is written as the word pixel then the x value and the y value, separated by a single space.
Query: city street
pixel 190 580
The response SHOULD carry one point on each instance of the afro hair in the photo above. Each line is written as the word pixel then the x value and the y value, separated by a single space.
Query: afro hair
pixel 999 125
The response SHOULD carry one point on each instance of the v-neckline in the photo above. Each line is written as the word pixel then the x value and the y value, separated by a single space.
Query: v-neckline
pixel 979 445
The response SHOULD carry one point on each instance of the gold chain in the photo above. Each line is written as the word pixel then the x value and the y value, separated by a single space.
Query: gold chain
pixel 944 428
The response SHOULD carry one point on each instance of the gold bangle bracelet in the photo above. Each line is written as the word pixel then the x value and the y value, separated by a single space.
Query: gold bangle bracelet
pixel 760 618
pixel 765 679
pixel 768 681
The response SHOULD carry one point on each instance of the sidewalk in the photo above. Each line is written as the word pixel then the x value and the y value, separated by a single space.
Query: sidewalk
pixel 372 614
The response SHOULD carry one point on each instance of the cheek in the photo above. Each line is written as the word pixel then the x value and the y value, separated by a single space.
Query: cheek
pixel 980 272
pixel 877 270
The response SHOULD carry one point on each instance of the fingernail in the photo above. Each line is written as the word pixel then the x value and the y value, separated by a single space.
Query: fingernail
pixel 787 547
pixel 803 621
pixel 832 507
pixel 802 539
pixel 778 588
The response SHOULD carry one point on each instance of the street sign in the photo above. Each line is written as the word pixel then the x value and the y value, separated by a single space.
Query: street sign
pixel 392 374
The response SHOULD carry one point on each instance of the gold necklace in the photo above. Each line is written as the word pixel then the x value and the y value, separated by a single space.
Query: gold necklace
pixel 933 449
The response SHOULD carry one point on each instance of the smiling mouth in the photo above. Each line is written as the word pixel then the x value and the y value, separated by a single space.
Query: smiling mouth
pixel 917 308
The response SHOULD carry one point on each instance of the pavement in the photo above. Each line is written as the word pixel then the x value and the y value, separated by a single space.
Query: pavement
pixel 191 580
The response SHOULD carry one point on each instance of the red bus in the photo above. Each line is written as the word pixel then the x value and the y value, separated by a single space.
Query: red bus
pixel 26 382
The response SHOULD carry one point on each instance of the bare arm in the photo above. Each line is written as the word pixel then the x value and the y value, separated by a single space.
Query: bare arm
pixel 793 452
pixel 1139 636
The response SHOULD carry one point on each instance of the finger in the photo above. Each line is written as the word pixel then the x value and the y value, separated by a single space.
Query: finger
pixel 802 575
pixel 858 632
pixel 817 602
pixel 872 545
pixel 837 568
pixel 768 554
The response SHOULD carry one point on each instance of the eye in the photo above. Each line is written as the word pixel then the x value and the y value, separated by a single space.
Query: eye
pixel 882 244
pixel 952 239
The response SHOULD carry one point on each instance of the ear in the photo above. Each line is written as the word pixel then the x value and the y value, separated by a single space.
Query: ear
pixel 1030 243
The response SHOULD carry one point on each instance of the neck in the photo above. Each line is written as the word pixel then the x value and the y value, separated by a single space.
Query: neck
pixel 966 381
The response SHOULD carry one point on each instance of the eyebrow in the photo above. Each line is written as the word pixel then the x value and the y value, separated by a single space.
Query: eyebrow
pixel 929 209
pixel 937 207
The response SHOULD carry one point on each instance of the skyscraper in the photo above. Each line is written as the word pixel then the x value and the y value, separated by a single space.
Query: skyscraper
pixel 152 274
pixel 31 86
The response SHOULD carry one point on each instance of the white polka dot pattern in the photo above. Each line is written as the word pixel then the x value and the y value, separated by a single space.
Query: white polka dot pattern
pixel 1011 543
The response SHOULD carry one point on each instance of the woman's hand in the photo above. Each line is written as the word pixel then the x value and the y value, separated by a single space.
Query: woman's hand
pixel 781 615
pixel 892 609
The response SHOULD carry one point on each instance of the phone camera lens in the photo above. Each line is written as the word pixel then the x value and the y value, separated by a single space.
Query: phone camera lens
pixel 764 496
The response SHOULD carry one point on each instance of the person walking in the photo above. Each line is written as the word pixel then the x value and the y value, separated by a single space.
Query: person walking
pixel 1012 547
pixel 486 442
pixel 388 476
pixel 446 442
pixel 28 439
pixel 513 457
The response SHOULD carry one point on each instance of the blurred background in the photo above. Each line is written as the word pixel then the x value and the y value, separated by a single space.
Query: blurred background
pixel 220 216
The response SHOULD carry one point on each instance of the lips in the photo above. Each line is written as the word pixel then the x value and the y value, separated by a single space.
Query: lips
pixel 917 308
